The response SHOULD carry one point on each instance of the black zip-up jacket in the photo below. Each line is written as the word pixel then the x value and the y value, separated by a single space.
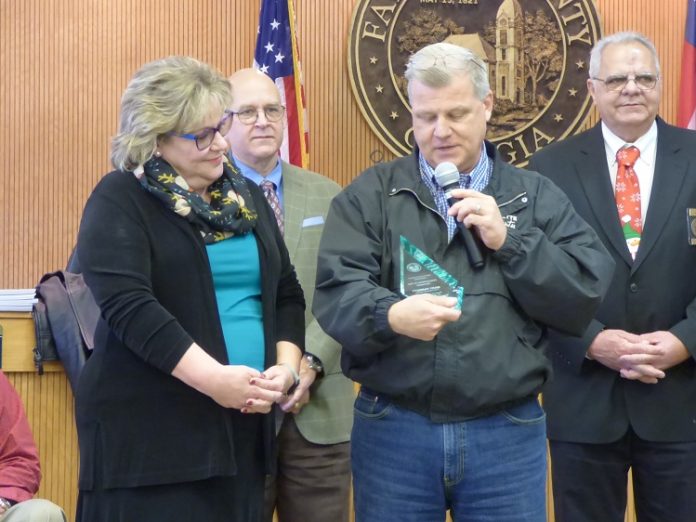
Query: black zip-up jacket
pixel 552 270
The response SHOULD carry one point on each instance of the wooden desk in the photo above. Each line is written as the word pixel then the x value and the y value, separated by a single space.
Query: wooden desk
pixel 48 401
pixel 18 343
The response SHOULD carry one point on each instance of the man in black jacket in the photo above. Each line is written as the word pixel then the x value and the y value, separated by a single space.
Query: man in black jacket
pixel 447 416
pixel 624 394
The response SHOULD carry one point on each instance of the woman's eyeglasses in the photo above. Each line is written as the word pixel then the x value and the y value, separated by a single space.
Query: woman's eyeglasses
pixel 205 138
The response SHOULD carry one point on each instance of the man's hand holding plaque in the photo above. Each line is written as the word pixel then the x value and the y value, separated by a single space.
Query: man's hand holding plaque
pixel 422 316
pixel 433 296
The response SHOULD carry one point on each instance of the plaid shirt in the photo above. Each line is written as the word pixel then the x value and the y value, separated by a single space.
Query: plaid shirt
pixel 477 180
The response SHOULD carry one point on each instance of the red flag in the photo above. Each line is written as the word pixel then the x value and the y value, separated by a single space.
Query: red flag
pixel 278 56
pixel 686 116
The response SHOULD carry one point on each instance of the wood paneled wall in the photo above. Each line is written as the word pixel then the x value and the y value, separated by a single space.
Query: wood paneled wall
pixel 48 401
pixel 65 63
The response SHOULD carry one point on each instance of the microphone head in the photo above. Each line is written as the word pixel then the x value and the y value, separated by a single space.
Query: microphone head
pixel 446 174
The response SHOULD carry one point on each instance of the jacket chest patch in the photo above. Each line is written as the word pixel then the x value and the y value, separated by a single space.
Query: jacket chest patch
pixel 512 208
pixel 510 221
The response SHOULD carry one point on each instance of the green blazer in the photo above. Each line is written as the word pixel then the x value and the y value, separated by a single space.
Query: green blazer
pixel 328 418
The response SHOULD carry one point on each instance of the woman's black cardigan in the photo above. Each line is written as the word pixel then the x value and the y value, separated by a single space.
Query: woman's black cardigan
pixel 149 272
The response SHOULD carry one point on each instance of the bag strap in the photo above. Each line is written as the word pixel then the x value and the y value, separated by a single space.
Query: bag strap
pixel 83 305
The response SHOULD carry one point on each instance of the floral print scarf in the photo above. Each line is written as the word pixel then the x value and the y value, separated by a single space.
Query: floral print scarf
pixel 230 211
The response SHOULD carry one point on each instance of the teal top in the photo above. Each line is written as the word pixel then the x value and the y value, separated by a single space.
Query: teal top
pixel 237 279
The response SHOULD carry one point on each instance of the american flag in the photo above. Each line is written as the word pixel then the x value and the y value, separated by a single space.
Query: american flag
pixel 686 114
pixel 278 56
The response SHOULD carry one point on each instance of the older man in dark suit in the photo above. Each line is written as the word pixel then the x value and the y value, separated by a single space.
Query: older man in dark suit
pixel 624 394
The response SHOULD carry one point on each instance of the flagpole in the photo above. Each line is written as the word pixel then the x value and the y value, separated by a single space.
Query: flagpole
pixel 299 90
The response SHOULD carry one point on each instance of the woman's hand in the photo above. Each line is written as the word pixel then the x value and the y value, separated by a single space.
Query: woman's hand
pixel 277 378
pixel 274 381
pixel 245 389
pixel 237 387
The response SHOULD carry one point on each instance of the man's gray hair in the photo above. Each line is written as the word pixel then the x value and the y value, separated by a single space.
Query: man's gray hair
pixel 435 65
pixel 174 94
pixel 625 37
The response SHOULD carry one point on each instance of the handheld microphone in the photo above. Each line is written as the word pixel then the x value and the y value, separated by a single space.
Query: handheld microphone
pixel 447 176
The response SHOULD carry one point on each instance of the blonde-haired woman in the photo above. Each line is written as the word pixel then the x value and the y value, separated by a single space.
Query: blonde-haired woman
pixel 202 315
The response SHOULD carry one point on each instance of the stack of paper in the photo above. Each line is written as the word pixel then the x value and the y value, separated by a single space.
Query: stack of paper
pixel 17 299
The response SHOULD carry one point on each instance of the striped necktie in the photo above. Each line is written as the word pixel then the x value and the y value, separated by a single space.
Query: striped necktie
pixel 269 191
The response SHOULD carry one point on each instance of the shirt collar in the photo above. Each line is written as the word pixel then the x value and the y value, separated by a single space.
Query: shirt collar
pixel 275 175
pixel 480 174
pixel 646 144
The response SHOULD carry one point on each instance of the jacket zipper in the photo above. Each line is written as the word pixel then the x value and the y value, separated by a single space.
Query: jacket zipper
pixel 518 196
pixel 396 191
pixel 437 213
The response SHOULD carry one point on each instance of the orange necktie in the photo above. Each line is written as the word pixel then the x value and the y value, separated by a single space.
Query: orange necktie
pixel 628 197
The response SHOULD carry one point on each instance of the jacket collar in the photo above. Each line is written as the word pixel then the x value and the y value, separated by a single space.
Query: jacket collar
pixel 410 179
pixel 295 198
pixel 670 174
pixel 513 185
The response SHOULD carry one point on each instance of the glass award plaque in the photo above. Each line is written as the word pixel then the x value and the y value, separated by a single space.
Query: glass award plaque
pixel 421 275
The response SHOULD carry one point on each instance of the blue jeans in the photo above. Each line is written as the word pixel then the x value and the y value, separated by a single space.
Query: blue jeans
pixel 409 469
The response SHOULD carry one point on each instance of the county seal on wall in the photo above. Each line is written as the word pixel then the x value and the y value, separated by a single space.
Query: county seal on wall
pixel 537 52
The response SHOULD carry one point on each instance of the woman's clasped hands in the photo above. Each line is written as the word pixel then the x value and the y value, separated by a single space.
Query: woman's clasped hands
pixel 252 391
